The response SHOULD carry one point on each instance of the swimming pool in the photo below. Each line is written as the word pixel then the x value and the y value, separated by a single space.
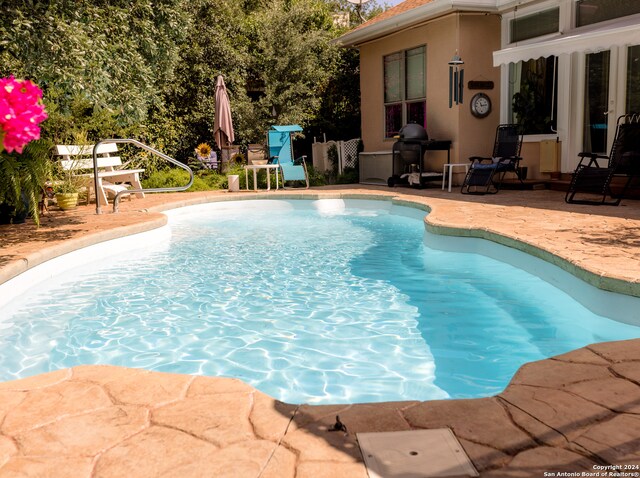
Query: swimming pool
pixel 324 301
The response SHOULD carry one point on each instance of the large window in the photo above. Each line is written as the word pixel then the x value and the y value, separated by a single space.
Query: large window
pixel 404 89
pixel 633 80
pixel 533 91
pixel 596 101
pixel 534 25
pixel 589 12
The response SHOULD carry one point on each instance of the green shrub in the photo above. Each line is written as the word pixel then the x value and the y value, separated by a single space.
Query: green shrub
pixel 316 178
pixel 348 176
pixel 204 180
pixel 171 178
pixel 22 177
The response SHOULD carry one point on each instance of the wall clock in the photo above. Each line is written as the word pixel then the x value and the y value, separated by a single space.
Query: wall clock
pixel 480 105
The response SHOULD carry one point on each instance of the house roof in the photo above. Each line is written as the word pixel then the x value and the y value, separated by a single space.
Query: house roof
pixel 392 12
pixel 409 13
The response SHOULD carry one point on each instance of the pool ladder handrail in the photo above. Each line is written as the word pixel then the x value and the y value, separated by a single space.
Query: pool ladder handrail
pixel 137 143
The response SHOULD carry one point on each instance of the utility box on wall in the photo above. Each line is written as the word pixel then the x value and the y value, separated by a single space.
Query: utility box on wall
pixel 550 156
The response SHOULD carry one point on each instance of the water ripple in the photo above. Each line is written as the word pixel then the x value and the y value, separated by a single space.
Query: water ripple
pixel 306 307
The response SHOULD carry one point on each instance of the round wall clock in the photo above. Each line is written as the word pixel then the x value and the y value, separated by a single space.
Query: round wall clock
pixel 480 105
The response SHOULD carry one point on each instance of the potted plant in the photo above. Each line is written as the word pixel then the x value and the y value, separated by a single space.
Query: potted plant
pixel 66 187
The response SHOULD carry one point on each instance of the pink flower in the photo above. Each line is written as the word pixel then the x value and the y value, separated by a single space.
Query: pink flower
pixel 21 110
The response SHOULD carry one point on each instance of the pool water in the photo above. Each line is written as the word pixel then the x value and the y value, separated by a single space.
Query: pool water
pixel 308 304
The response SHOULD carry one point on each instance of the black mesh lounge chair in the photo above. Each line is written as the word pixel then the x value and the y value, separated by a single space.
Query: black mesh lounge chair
pixel 486 173
pixel 624 162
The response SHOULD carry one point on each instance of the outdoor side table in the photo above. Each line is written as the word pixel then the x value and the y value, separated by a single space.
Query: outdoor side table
pixel 255 168
pixel 450 166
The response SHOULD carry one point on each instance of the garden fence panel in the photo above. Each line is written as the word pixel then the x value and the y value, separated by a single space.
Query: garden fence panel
pixel 348 154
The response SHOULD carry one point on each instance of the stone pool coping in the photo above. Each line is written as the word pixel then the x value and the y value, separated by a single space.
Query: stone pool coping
pixel 576 412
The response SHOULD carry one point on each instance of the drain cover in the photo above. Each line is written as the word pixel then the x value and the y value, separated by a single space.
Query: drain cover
pixel 414 454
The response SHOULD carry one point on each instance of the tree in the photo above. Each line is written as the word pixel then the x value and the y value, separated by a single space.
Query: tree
pixel 147 69
pixel 214 44
pixel 112 56
pixel 293 58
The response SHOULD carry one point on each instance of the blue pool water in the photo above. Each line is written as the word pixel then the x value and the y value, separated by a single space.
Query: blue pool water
pixel 323 305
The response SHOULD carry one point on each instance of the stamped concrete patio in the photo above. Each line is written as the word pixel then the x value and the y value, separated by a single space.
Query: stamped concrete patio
pixel 579 412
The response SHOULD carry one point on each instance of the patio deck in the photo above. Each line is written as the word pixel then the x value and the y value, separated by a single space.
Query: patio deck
pixel 579 412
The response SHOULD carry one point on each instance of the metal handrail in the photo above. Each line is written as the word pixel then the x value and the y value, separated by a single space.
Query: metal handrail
pixel 142 190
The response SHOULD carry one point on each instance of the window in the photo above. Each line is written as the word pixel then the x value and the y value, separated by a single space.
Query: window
pixel 596 101
pixel 633 79
pixel 532 89
pixel 404 90
pixel 589 12
pixel 535 25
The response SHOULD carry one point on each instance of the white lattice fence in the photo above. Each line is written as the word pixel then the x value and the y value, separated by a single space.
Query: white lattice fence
pixel 320 155
pixel 348 156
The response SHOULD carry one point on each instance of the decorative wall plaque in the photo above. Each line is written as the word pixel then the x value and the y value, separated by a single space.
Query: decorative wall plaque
pixel 480 85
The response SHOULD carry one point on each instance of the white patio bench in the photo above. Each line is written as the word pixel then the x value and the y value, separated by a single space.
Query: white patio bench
pixel 111 177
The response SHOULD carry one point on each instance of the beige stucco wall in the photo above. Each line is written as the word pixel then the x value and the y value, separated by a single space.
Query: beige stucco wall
pixel 479 38
pixel 475 37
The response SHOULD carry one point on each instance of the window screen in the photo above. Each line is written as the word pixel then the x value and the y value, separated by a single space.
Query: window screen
pixel 404 89
pixel 538 24
pixel 392 77
pixel 415 73
pixel 589 12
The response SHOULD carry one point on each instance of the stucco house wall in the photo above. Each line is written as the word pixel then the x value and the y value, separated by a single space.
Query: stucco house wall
pixel 475 37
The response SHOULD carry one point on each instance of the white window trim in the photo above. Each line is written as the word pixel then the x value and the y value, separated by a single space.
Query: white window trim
pixel 526 11
pixel 570 79
pixel 403 87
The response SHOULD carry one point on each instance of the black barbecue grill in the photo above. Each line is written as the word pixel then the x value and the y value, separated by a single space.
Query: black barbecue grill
pixel 408 156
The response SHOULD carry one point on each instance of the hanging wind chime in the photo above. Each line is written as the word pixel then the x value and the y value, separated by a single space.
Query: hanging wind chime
pixel 456 80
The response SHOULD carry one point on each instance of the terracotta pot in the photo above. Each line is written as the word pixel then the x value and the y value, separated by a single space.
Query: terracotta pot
pixel 67 200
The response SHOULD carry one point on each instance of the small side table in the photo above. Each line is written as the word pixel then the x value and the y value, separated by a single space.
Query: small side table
pixel 450 166
pixel 255 168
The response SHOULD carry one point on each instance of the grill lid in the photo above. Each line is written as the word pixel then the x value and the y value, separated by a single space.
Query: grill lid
pixel 413 131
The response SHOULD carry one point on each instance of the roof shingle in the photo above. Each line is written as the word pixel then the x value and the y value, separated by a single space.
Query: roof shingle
pixel 392 12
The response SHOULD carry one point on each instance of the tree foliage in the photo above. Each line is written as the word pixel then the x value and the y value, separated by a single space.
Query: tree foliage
pixel 147 68
pixel 293 57
pixel 112 57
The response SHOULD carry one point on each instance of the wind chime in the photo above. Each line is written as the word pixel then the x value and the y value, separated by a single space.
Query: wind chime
pixel 456 80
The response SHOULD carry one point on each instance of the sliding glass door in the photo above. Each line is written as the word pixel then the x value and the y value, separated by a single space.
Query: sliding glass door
pixel 610 90
pixel 632 103
pixel 596 102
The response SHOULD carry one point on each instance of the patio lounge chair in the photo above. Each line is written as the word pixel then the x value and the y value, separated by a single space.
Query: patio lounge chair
pixel 281 153
pixel 486 173
pixel 623 162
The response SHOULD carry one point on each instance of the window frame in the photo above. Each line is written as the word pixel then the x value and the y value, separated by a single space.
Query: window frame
pixel 553 94
pixel 527 14
pixel 404 102
pixel 575 12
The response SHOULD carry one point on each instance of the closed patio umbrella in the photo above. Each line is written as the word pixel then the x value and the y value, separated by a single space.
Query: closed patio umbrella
pixel 223 125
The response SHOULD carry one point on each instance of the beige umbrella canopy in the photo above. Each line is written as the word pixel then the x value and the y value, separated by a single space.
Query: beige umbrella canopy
pixel 223 125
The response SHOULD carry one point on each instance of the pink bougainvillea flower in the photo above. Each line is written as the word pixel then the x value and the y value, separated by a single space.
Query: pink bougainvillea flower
pixel 21 110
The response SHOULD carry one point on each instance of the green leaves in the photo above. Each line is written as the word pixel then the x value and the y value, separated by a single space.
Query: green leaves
pixel 147 68
pixel 22 176
pixel 116 55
